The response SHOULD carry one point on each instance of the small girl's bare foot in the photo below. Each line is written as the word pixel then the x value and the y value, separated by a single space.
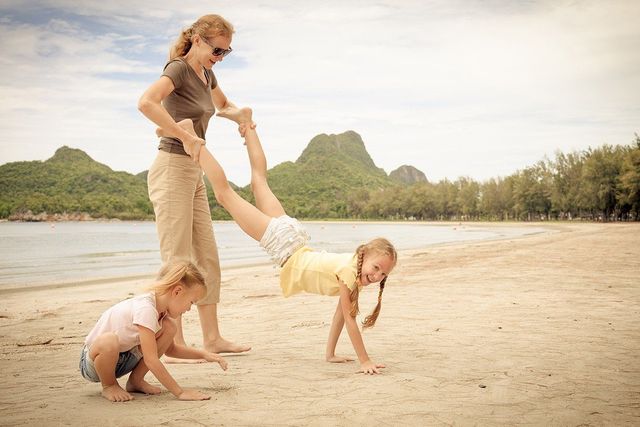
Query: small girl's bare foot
pixel 115 393
pixel 141 386
pixel 238 115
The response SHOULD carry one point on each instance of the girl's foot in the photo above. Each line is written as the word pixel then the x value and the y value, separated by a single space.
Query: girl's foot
pixel 186 124
pixel 141 386
pixel 241 116
pixel 115 393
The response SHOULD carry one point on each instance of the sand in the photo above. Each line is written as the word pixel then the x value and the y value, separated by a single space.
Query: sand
pixel 540 330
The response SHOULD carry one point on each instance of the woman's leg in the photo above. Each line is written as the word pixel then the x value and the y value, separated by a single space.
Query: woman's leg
pixel 174 181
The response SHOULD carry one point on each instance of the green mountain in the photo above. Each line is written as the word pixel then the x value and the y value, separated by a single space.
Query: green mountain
pixel 319 184
pixel 71 182
pixel 408 175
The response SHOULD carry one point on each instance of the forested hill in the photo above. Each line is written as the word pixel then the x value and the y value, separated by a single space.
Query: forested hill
pixel 70 183
pixel 316 185
pixel 328 171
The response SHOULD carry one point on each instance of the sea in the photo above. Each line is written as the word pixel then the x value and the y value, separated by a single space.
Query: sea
pixel 34 254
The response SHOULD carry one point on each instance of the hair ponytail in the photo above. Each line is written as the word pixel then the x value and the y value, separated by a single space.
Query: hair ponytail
pixel 176 273
pixel 206 26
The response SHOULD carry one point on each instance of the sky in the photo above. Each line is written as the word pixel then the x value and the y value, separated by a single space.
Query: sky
pixel 455 88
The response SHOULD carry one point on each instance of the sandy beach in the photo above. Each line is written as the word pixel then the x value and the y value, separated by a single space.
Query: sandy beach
pixel 539 330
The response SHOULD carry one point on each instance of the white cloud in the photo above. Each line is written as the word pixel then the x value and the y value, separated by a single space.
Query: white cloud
pixel 453 88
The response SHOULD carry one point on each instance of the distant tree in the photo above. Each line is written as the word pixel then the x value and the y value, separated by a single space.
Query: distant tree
pixel 600 179
pixel 629 186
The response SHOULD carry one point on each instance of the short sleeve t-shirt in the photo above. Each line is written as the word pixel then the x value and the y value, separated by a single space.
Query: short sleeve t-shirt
pixel 123 318
pixel 318 272
pixel 191 99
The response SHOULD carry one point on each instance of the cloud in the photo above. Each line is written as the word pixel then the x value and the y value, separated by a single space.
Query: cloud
pixel 452 87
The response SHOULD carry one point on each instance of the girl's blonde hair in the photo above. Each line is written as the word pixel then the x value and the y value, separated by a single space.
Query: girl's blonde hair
pixel 177 273
pixel 380 246
pixel 206 26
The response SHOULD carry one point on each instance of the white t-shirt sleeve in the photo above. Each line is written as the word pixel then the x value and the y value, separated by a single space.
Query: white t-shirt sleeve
pixel 145 314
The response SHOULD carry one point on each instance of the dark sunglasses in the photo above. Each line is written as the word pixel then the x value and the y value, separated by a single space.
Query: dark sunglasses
pixel 218 51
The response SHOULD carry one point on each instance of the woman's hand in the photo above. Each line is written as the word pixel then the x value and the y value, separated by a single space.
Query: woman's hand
pixel 339 359
pixel 369 367
pixel 193 395
pixel 212 357
pixel 192 147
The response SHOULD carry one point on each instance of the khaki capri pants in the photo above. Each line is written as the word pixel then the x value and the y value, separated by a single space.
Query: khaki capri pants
pixel 183 218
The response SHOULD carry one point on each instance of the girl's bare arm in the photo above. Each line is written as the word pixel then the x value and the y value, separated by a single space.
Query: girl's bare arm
pixel 366 365
pixel 149 349
pixel 334 334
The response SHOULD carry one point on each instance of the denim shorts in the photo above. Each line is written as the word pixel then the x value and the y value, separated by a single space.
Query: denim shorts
pixel 127 361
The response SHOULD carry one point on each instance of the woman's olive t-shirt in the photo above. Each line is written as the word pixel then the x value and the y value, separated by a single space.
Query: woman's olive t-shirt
pixel 191 99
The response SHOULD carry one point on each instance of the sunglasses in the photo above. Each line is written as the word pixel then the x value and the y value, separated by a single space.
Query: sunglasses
pixel 218 51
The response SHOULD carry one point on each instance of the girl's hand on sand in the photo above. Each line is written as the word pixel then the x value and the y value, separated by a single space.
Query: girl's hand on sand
pixel 340 359
pixel 193 395
pixel 212 357
pixel 369 367
pixel 192 146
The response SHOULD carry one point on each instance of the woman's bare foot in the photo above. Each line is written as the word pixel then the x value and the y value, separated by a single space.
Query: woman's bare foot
pixel 141 386
pixel 223 346
pixel 115 393
pixel 239 115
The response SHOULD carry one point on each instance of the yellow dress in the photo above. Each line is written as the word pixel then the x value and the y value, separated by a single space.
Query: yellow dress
pixel 318 272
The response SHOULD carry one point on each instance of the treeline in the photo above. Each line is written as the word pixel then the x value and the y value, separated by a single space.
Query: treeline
pixel 336 178
pixel 597 184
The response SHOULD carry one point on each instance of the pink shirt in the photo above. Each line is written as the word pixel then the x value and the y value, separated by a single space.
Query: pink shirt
pixel 122 319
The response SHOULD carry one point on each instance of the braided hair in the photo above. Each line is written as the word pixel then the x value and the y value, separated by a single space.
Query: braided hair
pixel 383 246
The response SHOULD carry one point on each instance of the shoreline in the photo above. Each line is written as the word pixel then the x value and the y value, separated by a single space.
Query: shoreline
pixel 235 267
pixel 539 330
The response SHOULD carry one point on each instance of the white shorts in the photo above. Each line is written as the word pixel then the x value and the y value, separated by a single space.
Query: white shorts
pixel 284 235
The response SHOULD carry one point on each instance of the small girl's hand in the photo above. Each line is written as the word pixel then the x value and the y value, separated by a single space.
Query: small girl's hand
pixel 193 395
pixel 339 359
pixel 212 357
pixel 369 367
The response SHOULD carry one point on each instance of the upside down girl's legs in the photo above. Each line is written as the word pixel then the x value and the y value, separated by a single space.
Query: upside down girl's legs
pixel 266 201
pixel 249 218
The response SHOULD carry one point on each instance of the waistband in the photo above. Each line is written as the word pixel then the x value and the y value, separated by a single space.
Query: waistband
pixel 171 146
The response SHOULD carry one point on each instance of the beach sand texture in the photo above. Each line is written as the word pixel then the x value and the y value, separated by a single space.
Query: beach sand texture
pixel 540 330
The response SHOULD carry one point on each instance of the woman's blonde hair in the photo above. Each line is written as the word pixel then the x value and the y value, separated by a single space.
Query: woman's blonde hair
pixel 206 26
pixel 380 246
pixel 177 273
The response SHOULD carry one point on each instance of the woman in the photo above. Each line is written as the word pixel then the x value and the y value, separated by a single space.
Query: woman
pixel 188 89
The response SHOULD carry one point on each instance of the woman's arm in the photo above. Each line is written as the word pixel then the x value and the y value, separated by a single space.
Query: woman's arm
pixel 150 105
pixel 366 365
pixel 149 349
pixel 334 334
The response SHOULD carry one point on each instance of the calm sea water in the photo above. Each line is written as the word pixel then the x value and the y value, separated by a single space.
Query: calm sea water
pixel 34 254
